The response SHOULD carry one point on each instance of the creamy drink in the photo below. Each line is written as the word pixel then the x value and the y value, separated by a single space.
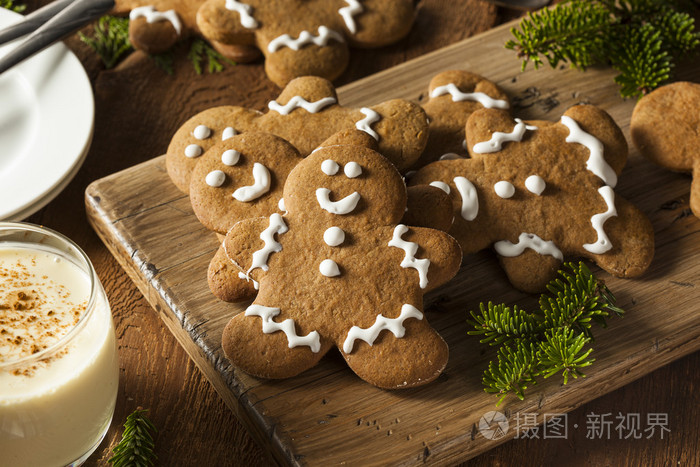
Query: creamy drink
pixel 58 360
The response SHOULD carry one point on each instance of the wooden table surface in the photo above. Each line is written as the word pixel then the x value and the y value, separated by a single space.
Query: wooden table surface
pixel 138 108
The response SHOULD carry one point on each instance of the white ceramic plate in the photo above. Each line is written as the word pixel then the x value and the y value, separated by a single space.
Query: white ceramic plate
pixel 46 124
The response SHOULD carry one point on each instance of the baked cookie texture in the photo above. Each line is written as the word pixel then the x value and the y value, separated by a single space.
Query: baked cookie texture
pixel 306 113
pixel 540 191
pixel 339 270
pixel 453 96
pixel 304 37
pixel 157 25
pixel 665 128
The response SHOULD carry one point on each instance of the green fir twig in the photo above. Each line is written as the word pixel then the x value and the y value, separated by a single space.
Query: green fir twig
pixel 201 50
pixel 554 339
pixel 110 39
pixel 13 6
pixel 136 447
pixel 641 39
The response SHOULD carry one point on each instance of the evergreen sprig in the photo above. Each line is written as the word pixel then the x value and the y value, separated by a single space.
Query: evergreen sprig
pixel 12 6
pixel 201 50
pixel 641 39
pixel 553 339
pixel 110 39
pixel 136 447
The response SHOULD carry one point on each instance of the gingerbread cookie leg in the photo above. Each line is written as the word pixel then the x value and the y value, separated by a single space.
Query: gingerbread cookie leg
pixel 263 343
pixel 402 363
pixel 530 271
pixel 225 281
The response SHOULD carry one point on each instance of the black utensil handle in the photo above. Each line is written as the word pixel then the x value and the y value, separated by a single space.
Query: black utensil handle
pixel 33 21
pixel 74 16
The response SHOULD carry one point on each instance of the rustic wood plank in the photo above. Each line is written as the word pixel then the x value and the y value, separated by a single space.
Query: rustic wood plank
pixel 329 415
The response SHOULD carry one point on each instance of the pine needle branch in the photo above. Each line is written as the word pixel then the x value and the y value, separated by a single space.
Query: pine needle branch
pixel 641 39
pixel 136 446
pixel 201 50
pixel 554 339
pixel 12 6
pixel 110 39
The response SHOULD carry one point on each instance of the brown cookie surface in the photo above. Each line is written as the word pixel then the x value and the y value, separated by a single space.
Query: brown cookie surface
pixel 545 187
pixel 665 128
pixel 300 38
pixel 306 113
pixel 339 270
pixel 454 96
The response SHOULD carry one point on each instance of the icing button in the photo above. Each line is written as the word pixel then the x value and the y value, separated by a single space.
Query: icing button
pixel 334 236
pixel 504 189
pixel 193 150
pixel 329 268
pixel 202 132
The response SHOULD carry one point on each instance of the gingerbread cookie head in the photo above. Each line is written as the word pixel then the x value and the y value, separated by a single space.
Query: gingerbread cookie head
pixel 306 113
pixel 665 128
pixel 156 25
pixel 240 177
pixel 339 270
pixel 454 96
pixel 539 191
pixel 305 38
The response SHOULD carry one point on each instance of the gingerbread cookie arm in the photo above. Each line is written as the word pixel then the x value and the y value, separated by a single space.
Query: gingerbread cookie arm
pixel 428 206
pixel 433 254
pixel 251 243
pixel 417 358
pixel 695 189
pixel 223 277
pixel 263 344
pixel 375 23
pixel 630 235
pixel 400 128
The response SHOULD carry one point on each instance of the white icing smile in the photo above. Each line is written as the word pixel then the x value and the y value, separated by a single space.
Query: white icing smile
pixel 260 186
pixel 458 96
pixel 470 201
pixel 343 206
pixel 442 185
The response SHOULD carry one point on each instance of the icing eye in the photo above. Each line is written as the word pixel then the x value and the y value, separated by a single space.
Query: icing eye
pixel 215 178
pixel 230 157
pixel 228 132
pixel 330 167
pixel 352 170
pixel 504 189
pixel 535 184
pixel 442 185
pixel 281 206
pixel 202 132
pixel 193 150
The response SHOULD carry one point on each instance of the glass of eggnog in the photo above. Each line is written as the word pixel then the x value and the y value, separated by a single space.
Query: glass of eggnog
pixel 59 369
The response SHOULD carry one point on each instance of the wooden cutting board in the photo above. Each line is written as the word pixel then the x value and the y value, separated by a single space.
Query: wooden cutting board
pixel 328 415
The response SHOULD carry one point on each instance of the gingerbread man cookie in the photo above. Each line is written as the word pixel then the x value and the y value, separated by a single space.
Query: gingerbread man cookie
pixel 226 281
pixel 664 128
pixel 338 270
pixel 454 95
pixel 539 191
pixel 156 25
pixel 305 114
pixel 304 37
